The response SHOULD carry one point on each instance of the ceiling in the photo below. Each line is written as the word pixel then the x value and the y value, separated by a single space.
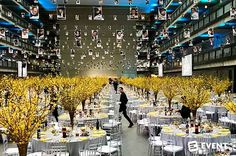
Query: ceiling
pixel 139 3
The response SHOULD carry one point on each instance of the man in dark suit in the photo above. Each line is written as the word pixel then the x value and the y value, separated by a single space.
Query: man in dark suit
pixel 124 100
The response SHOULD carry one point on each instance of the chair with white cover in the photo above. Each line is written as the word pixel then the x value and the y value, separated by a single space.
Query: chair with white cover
pixel 36 154
pixel 142 124
pixel 155 143
pixel 57 149
pixel 233 141
pixel 107 150
pixel 172 148
pixel 116 141
pixel 8 151
pixel 91 148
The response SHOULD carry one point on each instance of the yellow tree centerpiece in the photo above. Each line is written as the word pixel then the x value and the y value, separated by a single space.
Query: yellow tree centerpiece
pixel 155 86
pixel 194 93
pixel 23 114
pixel 231 107
pixel 169 88
pixel 219 86
pixel 69 96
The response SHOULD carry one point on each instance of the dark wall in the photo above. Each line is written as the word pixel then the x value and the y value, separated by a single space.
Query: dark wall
pixel 117 65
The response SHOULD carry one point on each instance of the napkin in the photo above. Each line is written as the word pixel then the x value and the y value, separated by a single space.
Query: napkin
pixel 83 138
pixel 215 135
pixel 45 139
pixel 180 134
pixel 63 140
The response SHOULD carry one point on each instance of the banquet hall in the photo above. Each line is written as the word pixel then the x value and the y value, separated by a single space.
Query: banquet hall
pixel 117 78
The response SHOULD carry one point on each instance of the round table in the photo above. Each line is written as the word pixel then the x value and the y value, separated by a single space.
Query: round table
pixel 102 117
pixel 160 118
pixel 214 108
pixel 73 143
pixel 180 138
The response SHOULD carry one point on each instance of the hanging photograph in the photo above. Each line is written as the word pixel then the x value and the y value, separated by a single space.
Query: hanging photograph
pixel 2 33
pixel 99 43
pixel 162 15
pixel 234 31
pixel 40 51
pixel 233 12
pixel 133 13
pixel 139 33
pixel 210 32
pixel 97 54
pixel 176 42
pixel 50 16
pixel 22 15
pixel 61 13
pixel 34 12
pixel 77 34
pixel 77 2
pixel 90 17
pixel 38 43
pixel 142 17
pixel 100 2
pixel 25 33
pixel 145 35
pixel 186 33
pixel 16 42
pixel 94 35
pixel 90 51
pixel 10 50
pixel 119 35
pixel 194 13
pixel 115 17
pixel 77 17
pixel 129 2
pixel 40 34
pixel 116 2
pixel 160 2
pixel 97 13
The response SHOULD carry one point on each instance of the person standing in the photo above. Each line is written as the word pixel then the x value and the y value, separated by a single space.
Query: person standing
pixel 124 100
pixel 115 84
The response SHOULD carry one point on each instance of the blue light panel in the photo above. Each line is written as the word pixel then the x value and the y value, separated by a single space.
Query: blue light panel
pixel 48 5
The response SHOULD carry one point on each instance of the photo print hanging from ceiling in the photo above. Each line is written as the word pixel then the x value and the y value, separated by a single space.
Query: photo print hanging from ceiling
pixel 210 32
pixel 162 15
pixel 186 33
pixel 2 33
pixel 116 2
pixel 194 13
pixel 233 12
pixel 160 2
pixel 145 35
pixel 99 43
pixel 61 13
pixel 40 34
pixel 34 12
pixel 234 31
pixel 25 33
pixel 97 13
pixel 119 35
pixel 77 17
pixel 77 2
pixel 133 15
pixel 94 34
pixel 77 35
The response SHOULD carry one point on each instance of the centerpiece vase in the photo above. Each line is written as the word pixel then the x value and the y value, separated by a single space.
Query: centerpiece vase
pixel 22 149
pixel 83 105
pixel 194 112
pixel 72 115
pixel 169 103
